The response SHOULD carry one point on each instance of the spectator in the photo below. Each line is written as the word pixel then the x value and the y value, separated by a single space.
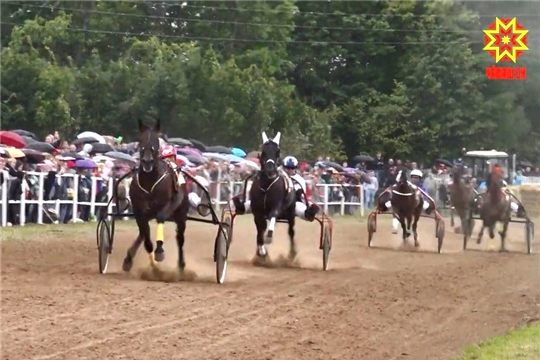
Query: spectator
pixel 370 189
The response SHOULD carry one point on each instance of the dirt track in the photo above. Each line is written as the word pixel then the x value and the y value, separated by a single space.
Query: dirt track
pixel 372 304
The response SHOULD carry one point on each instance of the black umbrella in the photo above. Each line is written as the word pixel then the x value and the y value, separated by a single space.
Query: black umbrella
pixel 33 156
pixel 72 155
pixel 218 149
pixel 28 140
pixel 179 141
pixel 363 158
pixel 85 140
pixel 197 160
pixel 198 145
pixel 334 165
pixel 120 156
pixel 101 148
pixel 444 162
pixel 25 133
pixel 40 146
pixel 524 163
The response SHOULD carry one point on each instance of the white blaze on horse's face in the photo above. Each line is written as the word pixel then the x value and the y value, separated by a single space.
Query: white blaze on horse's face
pixel 398 177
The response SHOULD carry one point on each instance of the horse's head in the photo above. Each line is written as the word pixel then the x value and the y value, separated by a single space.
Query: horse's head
pixel 149 145
pixel 269 157
pixel 401 178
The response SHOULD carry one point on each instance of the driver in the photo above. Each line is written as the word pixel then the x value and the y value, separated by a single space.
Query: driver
pixel 168 154
pixel 290 164
pixel 417 181
pixel 517 208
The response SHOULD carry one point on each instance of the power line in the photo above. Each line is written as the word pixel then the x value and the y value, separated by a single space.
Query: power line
pixel 210 21
pixel 194 38
pixel 278 11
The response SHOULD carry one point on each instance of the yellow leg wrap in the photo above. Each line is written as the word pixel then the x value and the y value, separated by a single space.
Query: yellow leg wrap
pixel 159 233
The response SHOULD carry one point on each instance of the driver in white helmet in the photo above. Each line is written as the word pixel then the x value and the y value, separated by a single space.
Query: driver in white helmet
pixel 290 164
pixel 517 208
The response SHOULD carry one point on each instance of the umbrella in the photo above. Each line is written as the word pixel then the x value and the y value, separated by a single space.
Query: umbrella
pixel 253 154
pixel 71 155
pixel 363 158
pixel 10 138
pixel 251 164
pixel 184 159
pixel 120 156
pixel 101 148
pixel 333 164
pixel 349 170
pixel 198 145
pixel 444 162
pixel 25 133
pixel 255 160
pixel 214 156
pixel 33 156
pixel 92 134
pixel 180 141
pixel 196 159
pixel 188 151
pixel 85 164
pixel 40 146
pixel 28 140
pixel 14 153
pixel 524 163
pixel 85 140
pixel 238 152
pixel 233 159
pixel 101 158
pixel 218 149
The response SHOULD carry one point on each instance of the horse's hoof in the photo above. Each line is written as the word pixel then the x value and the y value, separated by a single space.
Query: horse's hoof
pixel 128 264
pixel 269 237
pixel 416 244
pixel 159 255
pixel 394 231
pixel 292 255
pixel 261 252
pixel 503 250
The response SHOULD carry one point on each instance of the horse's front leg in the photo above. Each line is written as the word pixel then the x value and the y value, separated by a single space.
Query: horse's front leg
pixel 292 250
pixel 415 231
pixel 503 235
pixel 409 224
pixel 481 233
pixel 260 223
pixel 271 226
pixel 404 231
pixel 144 230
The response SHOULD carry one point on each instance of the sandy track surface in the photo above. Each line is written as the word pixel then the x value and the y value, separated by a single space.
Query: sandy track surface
pixel 382 303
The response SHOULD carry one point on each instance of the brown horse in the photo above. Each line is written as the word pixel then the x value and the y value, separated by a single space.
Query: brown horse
pixel 407 206
pixel 462 197
pixel 155 195
pixel 494 205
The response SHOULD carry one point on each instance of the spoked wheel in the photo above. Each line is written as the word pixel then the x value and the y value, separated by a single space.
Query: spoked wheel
pixel 104 244
pixel 326 247
pixel 221 250
pixel 440 235
pixel 372 228
pixel 529 234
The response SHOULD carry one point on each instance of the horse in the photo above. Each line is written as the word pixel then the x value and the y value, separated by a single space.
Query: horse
pixel 494 205
pixel 462 197
pixel 272 197
pixel 155 194
pixel 407 206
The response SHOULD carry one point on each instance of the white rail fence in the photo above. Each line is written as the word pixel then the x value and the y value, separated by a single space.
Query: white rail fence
pixel 332 198
pixel 525 180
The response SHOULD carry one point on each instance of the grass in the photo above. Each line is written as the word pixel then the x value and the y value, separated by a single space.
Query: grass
pixel 520 344
pixel 65 231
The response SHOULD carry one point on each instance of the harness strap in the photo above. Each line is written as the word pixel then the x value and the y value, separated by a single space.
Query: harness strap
pixel 153 186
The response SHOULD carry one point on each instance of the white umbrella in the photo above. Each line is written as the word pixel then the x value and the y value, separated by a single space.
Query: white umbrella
pixel 215 156
pixel 251 164
pixel 93 135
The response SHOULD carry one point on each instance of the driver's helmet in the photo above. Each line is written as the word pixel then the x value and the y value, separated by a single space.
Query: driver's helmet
pixel 290 162
pixel 417 172
pixel 167 151
pixel 505 184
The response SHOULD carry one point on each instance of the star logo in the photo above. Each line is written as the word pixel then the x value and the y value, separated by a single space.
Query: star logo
pixel 505 40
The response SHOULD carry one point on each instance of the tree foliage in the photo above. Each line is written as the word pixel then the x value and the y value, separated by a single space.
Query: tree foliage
pixel 336 78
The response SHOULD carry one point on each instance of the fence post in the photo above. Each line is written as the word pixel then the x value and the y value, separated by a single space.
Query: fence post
pixel 361 197
pixel 5 184
pixel 74 215
pixel 110 192
pixel 41 185
pixel 325 198
pixel 93 190
pixel 342 205
pixel 22 204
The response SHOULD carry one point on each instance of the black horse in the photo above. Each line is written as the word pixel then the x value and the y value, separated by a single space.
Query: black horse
pixel 407 205
pixel 272 197
pixel 155 195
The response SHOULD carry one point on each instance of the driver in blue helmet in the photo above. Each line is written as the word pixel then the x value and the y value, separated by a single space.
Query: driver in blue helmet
pixel 290 165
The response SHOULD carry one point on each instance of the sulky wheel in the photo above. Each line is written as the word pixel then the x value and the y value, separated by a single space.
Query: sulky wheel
pixel 529 235
pixel 452 217
pixel 221 251
pixel 372 228
pixel 440 235
pixel 326 246
pixel 104 244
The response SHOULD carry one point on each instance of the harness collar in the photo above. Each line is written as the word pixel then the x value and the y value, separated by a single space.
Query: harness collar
pixel 153 186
